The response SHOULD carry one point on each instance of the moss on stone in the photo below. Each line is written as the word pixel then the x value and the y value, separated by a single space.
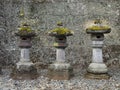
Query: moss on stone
pixel 98 28
pixel 25 27
pixel 61 31
pixel 25 30
pixel 98 25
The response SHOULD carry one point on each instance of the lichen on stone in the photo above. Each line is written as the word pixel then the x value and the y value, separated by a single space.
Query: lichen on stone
pixel 55 44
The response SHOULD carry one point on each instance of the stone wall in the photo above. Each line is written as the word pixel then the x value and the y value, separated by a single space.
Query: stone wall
pixel 43 15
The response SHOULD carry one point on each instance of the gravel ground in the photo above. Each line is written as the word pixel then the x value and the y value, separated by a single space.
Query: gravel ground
pixel 78 82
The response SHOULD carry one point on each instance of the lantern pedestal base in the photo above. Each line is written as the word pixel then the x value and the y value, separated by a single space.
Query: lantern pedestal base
pixel 60 71
pixel 24 70
pixel 97 71
pixel 97 68
pixel 97 76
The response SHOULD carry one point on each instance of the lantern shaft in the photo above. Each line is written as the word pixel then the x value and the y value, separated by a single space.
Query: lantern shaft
pixel 60 55
pixel 25 55
pixel 97 56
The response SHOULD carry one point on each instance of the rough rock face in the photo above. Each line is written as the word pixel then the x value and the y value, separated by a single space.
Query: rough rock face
pixel 43 16
pixel 4 53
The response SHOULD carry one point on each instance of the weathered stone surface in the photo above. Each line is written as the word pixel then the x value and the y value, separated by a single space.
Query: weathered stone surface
pixel 97 76
pixel 60 71
pixel 97 68
pixel 43 16
pixel 24 72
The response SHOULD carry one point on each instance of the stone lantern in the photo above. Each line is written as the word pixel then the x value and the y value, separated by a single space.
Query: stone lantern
pixel 60 70
pixel 97 68
pixel 25 68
